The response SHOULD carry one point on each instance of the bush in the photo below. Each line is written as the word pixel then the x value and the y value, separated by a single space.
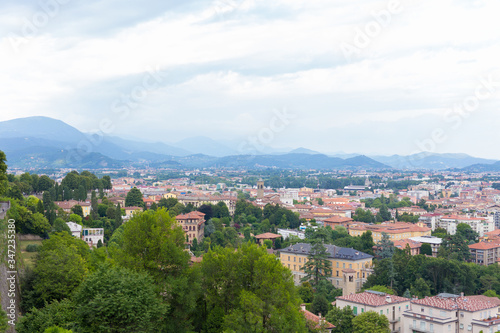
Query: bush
pixel 33 248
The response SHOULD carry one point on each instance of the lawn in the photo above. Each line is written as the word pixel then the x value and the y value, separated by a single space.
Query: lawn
pixel 28 258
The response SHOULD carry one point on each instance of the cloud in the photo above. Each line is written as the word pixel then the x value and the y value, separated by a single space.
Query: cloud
pixel 227 64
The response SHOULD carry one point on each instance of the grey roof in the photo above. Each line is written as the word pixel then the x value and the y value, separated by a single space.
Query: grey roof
pixel 336 252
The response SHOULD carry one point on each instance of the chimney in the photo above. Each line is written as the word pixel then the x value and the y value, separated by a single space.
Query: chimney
pixel 388 298
pixel 462 294
pixel 303 306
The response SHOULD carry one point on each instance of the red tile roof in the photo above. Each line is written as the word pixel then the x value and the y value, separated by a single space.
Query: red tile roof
pixel 317 319
pixel 267 235
pixel 465 303
pixel 484 246
pixel 372 299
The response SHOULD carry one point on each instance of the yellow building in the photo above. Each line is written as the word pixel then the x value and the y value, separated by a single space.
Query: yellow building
pixel 355 263
pixel 396 231
pixel 170 195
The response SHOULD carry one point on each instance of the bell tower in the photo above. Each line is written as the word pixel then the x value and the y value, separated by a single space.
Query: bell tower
pixel 349 287
pixel 260 189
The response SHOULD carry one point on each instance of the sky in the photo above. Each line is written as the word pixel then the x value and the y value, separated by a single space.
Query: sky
pixel 371 77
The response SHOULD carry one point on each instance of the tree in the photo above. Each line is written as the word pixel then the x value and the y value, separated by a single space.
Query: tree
pixel 384 214
pixel 3 173
pixel 134 198
pixel 317 267
pixel 319 305
pixel 385 247
pixel 57 329
pixel 320 202
pixel 61 314
pixel 106 182
pixel 4 321
pixel 382 289
pixel 420 288
pixel 118 300
pixel 306 292
pixel 370 322
pixel 77 209
pixel 254 290
pixel 341 318
pixel 466 231
pixel 60 268
pixel 426 249
pixel 154 242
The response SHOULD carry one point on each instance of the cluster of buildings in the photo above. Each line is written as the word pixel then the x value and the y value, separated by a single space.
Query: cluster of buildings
pixel 443 313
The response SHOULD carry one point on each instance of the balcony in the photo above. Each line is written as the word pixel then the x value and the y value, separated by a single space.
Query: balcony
pixel 392 321
pixel 396 331
pixel 419 330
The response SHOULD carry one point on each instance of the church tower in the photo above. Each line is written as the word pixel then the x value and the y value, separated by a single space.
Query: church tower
pixel 260 189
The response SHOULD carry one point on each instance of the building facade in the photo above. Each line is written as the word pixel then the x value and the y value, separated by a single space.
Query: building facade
pixel 193 224
pixel 358 265
pixel 446 313
pixel 390 306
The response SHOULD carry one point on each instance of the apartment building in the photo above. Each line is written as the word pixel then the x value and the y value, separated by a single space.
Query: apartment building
pixel 350 268
pixel 390 306
pixel 485 253
pixel 193 224
pixel 481 225
pixel 446 313
pixel 434 242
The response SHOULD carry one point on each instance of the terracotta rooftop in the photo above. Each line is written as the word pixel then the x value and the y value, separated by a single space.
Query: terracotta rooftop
pixel 484 246
pixel 338 219
pixel 317 319
pixel 373 298
pixel 464 303
pixel 194 215
pixel 268 235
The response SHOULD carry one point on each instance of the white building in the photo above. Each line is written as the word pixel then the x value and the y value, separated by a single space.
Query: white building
pixel 287 233
pixel 453 313
pixel 434 242
pixel 93 235
pixel 76 229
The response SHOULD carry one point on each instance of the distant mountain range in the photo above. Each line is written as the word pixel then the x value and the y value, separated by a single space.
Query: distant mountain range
pixel 42 142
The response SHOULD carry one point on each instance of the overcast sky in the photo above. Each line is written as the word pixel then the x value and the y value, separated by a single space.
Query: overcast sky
pixel 373 77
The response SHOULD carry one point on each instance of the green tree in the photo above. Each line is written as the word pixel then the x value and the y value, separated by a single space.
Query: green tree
pixel 134 198
pixel 118 300
pixel 319 305
pixel 60 268
pixel 306 292
pixel 317 267
pixel 426 249
pixel 385 247
pixel 118 215
pixel 466 232
pixel 3 173
pixel 57 329
pixel 254 290
pixel 154 242
pixel 420 288
pixel 61 314
pixel 382 289
pixel 78 210
pixel 4 321
pixel 341 318
pixel 370 322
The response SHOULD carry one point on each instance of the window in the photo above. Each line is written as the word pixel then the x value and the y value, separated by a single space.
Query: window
pixel 387 311
pixel 362 310
pixel 381 312
pixel 363 275
pixel 449 328
pixel 414 323
pixel 288 265
pixel 343 265
pixel 350 266
pixel 406 306
pixel 442 314
pixel 300 259
pixel 288 258
pixel 430 312
pixel 337 264
pixel 294 259
pixel 422 310
pixel 294 268
pixel 461 326
pixel 337 273
pixel 431 327
pixel 422 325
pixel 355 311
pixel 469 327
